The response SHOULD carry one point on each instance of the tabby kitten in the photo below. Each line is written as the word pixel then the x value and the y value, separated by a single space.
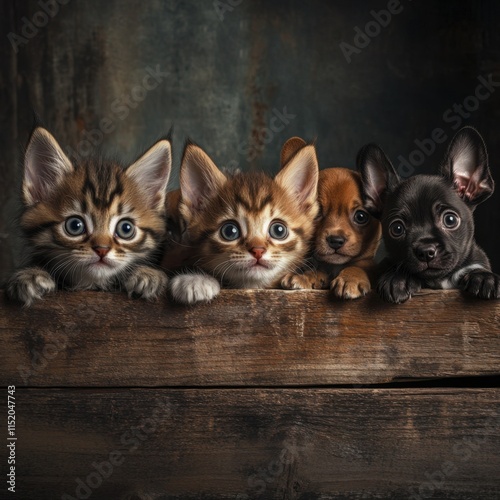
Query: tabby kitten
pixel 247 230
pixel 93 224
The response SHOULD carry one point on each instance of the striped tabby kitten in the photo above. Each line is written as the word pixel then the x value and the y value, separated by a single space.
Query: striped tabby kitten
pixel 247 230
pixel 91 225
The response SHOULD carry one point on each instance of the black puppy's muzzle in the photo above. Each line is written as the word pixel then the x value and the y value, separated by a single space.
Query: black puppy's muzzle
pixel 425 252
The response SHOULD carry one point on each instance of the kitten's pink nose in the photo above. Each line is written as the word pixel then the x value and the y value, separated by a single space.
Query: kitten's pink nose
pixel 258 252
pixel 101 251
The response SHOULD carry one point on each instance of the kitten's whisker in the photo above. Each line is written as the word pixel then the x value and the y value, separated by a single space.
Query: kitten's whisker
pixel 232 264
pixel 60 266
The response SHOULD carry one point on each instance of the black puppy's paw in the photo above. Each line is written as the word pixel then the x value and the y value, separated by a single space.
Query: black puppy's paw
pixel 482 284
pixel 397 288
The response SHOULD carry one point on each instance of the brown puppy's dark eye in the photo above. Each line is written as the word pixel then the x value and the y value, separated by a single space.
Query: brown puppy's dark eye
pixel 361 217
pixel 397 229
pixel 451 220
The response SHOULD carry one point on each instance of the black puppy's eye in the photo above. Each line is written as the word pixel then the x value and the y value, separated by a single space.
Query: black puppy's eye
pixel 230 231
pixel 451 220
pixel 361 217
pixel 397 229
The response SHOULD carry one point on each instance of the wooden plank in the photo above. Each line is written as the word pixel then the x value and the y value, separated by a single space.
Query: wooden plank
pixel 246 338
pixel 258 443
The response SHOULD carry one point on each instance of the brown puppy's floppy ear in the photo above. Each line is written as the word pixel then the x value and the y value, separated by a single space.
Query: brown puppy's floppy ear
pixel 466 166
pixel 378 177
pixel 290 148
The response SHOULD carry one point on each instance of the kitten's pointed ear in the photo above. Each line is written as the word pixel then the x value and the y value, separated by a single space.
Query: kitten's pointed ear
pixel 151 172
pixel 200 178
pixel 378 177
pixel 300 176
pixel 290 148
pixel 45 164
pixel 466 166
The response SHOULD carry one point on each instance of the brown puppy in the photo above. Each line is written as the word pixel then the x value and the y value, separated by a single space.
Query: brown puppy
pixel 346 237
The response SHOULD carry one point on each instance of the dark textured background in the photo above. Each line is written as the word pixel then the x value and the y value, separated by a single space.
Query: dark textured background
pixel 225 79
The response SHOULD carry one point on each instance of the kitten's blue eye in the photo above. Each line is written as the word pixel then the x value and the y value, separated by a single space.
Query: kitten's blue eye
pixel 230 231
pixel 74 226
pixel 125 229
pixel 361 217
pixel 278 231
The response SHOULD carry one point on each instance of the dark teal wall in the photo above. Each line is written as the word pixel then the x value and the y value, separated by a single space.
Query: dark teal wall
pixel 222 81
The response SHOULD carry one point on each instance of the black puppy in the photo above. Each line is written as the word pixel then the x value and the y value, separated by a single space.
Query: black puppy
pixel 427 221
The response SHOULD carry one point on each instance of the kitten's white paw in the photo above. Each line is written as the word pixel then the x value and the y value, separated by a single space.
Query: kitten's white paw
pixel 146 283
pixel 192 288
pixel 30 284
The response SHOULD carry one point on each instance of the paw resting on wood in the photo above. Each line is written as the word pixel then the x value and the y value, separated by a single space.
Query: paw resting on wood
pixel 351 283
pixel 482 284
pixel 397 288
pixel 193 288
pixel 146 283
pixel 30 284
pixel 311 279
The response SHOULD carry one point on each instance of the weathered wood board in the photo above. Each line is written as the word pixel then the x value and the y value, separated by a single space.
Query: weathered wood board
pixel 246 338
pixel 120 399
pixel 259 443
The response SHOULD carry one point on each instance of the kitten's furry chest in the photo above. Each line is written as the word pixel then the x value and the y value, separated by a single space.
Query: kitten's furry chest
pixel 256 284
pixel 78 279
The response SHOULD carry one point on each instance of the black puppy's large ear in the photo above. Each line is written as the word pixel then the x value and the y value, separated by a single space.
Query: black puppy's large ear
pixel 378 177
pixel 466 166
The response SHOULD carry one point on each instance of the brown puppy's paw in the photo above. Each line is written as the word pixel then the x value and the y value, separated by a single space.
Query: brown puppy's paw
pixel 351 283
pixel 306 281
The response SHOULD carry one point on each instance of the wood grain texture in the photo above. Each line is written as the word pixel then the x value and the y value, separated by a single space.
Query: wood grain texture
pixel 253 443
pixel 246 338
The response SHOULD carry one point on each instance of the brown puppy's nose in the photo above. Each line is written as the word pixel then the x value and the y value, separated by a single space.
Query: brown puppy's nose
pixel 101 251
pixel 425 253
pixel 335 242
pixel 257 252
